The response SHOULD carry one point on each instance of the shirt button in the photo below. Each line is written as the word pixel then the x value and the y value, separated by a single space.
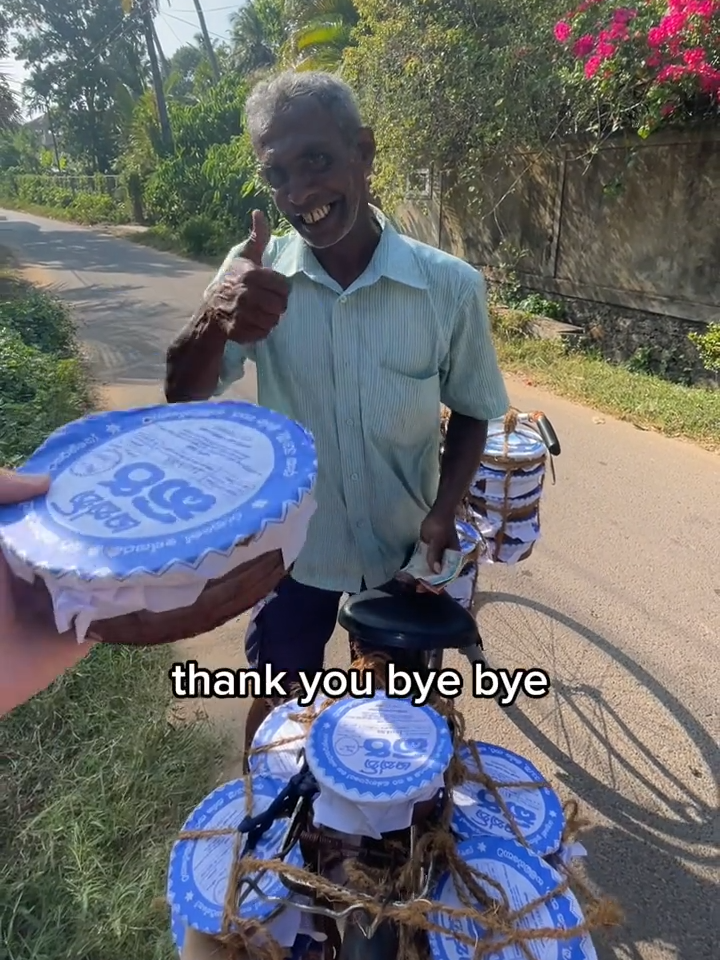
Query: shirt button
pixel 354 476
pixel 360 523
pixel 343 299
pixel 349 421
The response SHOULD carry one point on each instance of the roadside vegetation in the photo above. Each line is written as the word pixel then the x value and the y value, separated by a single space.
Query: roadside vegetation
pixel 688 413
pixel 96 777
pixel 576 371
pixel 552 72
pixel 42 380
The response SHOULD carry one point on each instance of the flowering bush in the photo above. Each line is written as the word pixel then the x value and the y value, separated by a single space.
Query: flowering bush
pixel 649 62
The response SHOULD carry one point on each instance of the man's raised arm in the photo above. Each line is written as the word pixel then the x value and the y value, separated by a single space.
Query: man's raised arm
pixel 194 358
pixel 241 306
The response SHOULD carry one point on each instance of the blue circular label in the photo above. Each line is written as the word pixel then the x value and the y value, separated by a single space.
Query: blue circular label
pixel 138 491
pixel 378 750
pixel 537 812
pixel 199 869
pixel 177 928
pixel 524 877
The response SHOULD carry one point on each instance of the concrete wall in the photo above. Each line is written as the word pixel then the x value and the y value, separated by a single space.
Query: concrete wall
pixel 629 236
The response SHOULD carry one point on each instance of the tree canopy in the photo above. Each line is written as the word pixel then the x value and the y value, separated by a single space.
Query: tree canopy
pixel 444 82
pixel 82 57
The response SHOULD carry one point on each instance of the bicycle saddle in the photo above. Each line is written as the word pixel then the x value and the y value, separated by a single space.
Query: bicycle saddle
pixel 396 616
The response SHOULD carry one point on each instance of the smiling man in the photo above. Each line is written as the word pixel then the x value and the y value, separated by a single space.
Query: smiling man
pixel 359 333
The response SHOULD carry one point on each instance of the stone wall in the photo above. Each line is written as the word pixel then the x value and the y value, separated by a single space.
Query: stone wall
pixel 628 236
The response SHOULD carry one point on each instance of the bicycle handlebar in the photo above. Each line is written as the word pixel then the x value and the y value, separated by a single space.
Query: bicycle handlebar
pixel 545 429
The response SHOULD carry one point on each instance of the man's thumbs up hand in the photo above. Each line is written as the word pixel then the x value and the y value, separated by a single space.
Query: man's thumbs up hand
pixel 256 244
pixel 250 300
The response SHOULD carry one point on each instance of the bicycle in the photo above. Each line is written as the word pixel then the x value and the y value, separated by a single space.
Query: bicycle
pixel 413 631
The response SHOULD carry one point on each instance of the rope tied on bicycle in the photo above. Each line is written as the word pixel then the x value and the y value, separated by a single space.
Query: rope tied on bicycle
pixel 392 895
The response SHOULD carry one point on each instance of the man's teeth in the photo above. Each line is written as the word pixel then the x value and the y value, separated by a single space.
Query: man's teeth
pixel 316 215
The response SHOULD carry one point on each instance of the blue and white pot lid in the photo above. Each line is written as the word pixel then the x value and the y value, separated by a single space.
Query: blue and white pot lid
pixel 537 812
pixel 501 503
pixel 285 758
pixel 524 877
pixel 139 492
pixel 378 750
pixel 199 869
pixel 522 444
pixel 177 928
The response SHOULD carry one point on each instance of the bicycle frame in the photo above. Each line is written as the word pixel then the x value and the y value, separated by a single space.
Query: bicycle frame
pixel 362 937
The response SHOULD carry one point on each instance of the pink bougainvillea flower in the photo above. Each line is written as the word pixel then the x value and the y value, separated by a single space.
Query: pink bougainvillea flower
pixel 709 78
pixel 618 31
pixel 673 23
pixel 703 8
pixel 562 31
pixel 584 46
pixel 694 57
pixel 672 72
pixel 592 66
pixel 624 15
pixel 656 36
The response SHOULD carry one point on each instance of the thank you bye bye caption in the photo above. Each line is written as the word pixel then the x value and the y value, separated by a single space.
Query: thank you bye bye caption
pixel 189 681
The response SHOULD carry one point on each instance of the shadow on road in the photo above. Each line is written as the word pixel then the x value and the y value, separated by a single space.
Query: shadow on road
pixel 650 772
pixel 124 337
pixel 88 249
pixel 682 811
pixel 663 901
pixel 117 291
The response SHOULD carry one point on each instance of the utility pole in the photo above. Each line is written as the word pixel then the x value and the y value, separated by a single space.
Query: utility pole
pixel 147 21
pixel 209 49
pixel 163 59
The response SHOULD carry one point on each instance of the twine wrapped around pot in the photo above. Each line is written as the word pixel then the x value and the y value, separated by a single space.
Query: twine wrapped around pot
pixel 506 509
pixel 393 890
pixel 525 512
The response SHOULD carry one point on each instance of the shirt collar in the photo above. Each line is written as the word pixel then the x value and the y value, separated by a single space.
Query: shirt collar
pixel 393 258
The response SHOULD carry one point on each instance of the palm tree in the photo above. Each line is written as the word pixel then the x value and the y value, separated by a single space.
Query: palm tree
pixel 320 30
pixel 303 34
pixel 9 110
pixel 258 35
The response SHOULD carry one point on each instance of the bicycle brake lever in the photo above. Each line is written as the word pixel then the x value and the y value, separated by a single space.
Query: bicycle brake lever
pixel 302 785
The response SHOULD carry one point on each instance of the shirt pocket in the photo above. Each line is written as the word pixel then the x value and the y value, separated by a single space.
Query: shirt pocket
pixel 400 409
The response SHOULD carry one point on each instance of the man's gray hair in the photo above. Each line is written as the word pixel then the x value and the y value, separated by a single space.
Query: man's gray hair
pixel 273 96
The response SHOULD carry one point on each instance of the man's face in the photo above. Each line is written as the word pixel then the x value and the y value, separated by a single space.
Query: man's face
pixel 318 179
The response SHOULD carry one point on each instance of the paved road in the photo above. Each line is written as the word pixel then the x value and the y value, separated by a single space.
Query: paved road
pixel 621 603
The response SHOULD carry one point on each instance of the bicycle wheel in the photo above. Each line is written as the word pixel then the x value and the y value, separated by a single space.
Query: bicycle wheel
pixel 596 731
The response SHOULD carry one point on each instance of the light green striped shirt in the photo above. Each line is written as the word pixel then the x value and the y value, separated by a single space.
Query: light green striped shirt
pixel 365 370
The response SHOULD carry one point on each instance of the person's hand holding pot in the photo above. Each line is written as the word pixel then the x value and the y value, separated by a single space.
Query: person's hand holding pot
pixel 32 652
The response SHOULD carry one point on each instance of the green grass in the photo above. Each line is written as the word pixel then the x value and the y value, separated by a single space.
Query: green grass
pixel 691 413
pixel 88 215
pixel 43 382
pixel 95 780
pixel 164 239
